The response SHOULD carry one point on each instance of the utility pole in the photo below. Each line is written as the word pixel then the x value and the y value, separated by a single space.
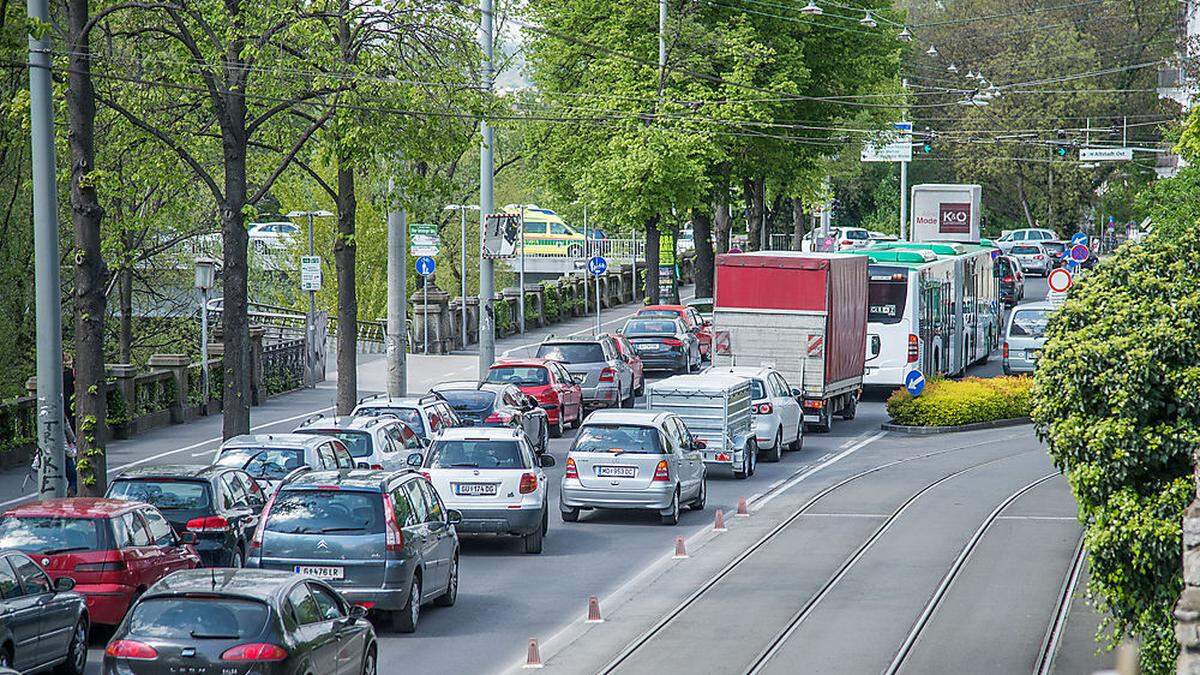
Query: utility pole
pixel 521 278
pixel 662 38
pixel 487 281
pixel 903 201
pixel 397 297
pixel 52 480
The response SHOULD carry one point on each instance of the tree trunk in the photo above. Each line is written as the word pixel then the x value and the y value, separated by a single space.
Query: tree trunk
pixel 759 210
pixel 652 236
pixel 235 324
pixel 797 223
pixel 721 219
pixel 1024 199
pixel 705 260
pixel 90 272
pixel 343 256
pixel 752 222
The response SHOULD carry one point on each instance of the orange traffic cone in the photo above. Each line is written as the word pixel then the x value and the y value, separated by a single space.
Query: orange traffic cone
pixel 719 522
pixel 533 659
pixel 680 549
pixel 594 610
pixel 743 510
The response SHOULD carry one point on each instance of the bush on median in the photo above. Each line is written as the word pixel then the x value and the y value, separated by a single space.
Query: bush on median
pixel 949 403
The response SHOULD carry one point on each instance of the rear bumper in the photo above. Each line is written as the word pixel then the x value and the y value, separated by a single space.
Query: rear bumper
pixel 518 521
pixel 657 497
pixel 107 603
pixel 214 553
pixel 765 429
pixel 601 396
pixel 1015 366
pixel 391 594
pixel 666 361
pixel 885 376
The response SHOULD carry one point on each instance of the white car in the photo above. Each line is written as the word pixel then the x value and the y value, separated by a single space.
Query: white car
pixel 777 414
pixel 882 236
pixel 494 478
pixel 274 459
pixel 425 415
pixel 273 235
pixel 1033 257
pixel 378 442
pixel 1031 235
pixel 844 239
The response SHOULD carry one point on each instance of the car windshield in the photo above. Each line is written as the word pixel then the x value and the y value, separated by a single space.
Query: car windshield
pixel 637 327
pixel 186 618
pixel 860 235
pixel 1025 250
pixel 325 512
pixel 582 352
pixel 469 400
pixel 1029 323
pixel 519 375
pixel 617 438
pixel 410 416
pixel 475 454
pixel 357 442
pixel 49 534
pixel 264 463
pixel 166 494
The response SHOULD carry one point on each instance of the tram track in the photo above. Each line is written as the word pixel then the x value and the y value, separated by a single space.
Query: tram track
pixel 1062 609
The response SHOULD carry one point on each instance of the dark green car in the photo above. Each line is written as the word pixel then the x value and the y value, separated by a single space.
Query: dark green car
pixel 242 620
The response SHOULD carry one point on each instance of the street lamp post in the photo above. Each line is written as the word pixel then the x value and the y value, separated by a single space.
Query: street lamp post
pixel 462 210
pixel 310 320
pixel 205 275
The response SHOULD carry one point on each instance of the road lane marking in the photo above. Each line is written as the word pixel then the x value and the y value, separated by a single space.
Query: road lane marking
pixel 759 504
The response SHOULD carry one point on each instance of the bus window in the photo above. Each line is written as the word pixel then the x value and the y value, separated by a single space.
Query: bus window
pixel 887 295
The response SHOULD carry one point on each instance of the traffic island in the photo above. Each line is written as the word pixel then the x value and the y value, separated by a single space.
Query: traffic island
pixel 970 404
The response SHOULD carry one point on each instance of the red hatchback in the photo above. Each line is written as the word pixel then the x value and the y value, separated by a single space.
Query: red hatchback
pixel 113 549
pixel 691 320
pixel 549 383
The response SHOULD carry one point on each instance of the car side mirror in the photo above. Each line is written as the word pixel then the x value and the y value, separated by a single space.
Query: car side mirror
pixel 415 459
pixel 531 402
pixel 453 516
pixel 578 379
pixel 796 392
pixel 357 613
pixel 187 538
pixel 363 465
pixel 545 461
pixel 64 584
pixel 699 444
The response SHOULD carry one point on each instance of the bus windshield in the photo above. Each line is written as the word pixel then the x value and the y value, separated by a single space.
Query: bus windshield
pixel 887 295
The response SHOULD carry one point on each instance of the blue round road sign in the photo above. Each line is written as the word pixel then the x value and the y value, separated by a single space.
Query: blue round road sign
pixel 597 265
pixel 914 382
pixel 1079 238
pixel 1079 253
pixel 426 265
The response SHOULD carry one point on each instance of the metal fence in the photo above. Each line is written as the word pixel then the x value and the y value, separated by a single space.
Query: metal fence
pixel 283 366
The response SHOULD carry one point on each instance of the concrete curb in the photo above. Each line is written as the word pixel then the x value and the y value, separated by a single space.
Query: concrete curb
pixel 930 431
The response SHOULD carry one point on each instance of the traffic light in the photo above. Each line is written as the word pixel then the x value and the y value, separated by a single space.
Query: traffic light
pixel 1061 146
pixel 927 144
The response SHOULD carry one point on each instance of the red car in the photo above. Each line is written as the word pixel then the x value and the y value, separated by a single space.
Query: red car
pixel 630 356
pixel 113 549
pixel 549 383
pixel 690 318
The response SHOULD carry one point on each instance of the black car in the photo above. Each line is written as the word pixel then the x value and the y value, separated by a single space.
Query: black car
pixel 1058 251
pixel 484 404
pixel 664 344
pixel 1012 280
pixel 43 624
pixel 243 621
pixel 219 504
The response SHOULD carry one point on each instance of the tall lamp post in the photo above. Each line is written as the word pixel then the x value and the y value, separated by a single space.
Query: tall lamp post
pixel 462 210
pixel 310 320
pixel 205 275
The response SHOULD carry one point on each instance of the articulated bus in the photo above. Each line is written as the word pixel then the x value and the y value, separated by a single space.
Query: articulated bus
pixel 933 307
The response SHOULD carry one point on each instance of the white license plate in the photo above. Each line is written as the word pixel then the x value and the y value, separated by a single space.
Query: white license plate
pixel 616 471
pixel 649 348
pixel 321 572
pixel 475 488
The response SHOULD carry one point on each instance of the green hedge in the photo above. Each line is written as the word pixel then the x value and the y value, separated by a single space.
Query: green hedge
pixel 948 403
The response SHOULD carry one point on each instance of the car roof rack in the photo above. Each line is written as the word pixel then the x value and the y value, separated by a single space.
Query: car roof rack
pixel 434 395
pixel 314 418
pixel 372 397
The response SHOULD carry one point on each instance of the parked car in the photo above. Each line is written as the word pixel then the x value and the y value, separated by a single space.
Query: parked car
pixel 273 236
pixel 273 459
pixel 882 236
pixel 219 504
pixel 1025 235
pixel 1025 336
pixel 112 549
pixel 549 383
pixel 1012 280
pixel 664 343
pixel 494 478
pixel 630 356
pixel 596 364
pixel 1032 258
pixel 481 404
pixel 774 408
pixel 243 621
pixel 376 442
pixel 382 539
pixel 844 238
pixel 44 624
pixel 696 324
pixel 633 460
pixel 425 415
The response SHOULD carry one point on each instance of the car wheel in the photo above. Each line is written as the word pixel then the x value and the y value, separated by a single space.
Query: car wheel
pixel 628 402
pixel 77 652
pixel 569 515
pixel 534 540
pixel 369 663
pixel 448 598
pixel 238 561
pixel 578 417
pixel 641 388
pixel 775 452
pixel 556 431
pixel 702 498
pixel 799 442
pixel 754 459
pixel 672 518
pixel 405 620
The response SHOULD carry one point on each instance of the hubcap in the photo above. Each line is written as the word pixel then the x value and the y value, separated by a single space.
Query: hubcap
pixel 415 601
pixel 454 579
pixel 80 653
pixel 370 669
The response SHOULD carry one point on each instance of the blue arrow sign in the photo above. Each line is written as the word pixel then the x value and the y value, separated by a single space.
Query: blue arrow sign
pixel 1079 238
pixel 914 382
pixel 597 265
pixel 426 265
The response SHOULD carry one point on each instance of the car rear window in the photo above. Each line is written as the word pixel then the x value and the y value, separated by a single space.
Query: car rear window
pixel 757 390
pixel 357 442
pixel 1056 247
pixel 617 437
pixel 637 327
pixel 519 375
pixel 1029 323
pixel 49 535
pixel 326 512
pixel 1026 250
pixel 410 416
pixel 264 463
pixel 198 618
pixel 857 234
pixel 166 494
pixel 584 352
pixel 475 454
pixel 470 400
pixel 887 295
pixel 702 307
pixel 653 313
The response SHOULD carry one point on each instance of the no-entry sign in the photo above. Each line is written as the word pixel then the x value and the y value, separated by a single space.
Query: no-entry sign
pixel 1060 280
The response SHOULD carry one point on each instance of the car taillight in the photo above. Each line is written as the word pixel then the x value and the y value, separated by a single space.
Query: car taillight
pixel 608 375
pixel 1037 257
pixel 571 470
pixel 1004 352
pixel 257 539
pixel 377 467
pixel 255 651
pixel 393 535
pixel 847 242
pixel 762 408
pixel 661 472
pixel 427 476
pixel 501 417
pixel 528 483
pixel 114 566
pixel 914 348
pixel 673 342
pixel 131 649
pixel 1008 279
pixel 208 524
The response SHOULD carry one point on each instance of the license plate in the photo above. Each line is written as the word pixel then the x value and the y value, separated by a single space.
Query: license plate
pixel 648 348
pixel 321 572
pixel 1034 354
pixel 616 471
pixel 475 488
